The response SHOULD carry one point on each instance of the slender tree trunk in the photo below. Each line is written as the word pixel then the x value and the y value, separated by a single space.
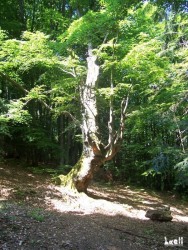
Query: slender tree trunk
pixel 61 137
pixel 95 153
pixel 33 16
pixel 62 5
pixel 22 12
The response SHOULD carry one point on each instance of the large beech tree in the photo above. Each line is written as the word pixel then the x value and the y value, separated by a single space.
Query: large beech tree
pixel 95 152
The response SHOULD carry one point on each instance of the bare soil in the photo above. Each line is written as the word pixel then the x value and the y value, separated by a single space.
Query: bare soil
pixel 36 214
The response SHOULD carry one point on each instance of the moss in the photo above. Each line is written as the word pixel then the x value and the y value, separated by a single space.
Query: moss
pixel 59 179
pixel 79 177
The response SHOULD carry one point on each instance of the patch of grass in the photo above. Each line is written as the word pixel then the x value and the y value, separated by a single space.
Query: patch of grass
pixel 64 169
pixel 39 170
pixel 36 214
pixel 148 231
pixel 3 208
pixel 20 194
pixel 184 197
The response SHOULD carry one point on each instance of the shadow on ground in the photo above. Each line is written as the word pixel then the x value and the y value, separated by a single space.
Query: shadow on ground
pixel 35 214
pixel 22 229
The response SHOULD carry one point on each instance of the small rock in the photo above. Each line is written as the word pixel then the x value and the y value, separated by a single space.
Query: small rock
pixel 20 243
pixel 66 244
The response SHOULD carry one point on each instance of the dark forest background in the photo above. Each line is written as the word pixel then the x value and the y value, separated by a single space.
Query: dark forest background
pixel 142 44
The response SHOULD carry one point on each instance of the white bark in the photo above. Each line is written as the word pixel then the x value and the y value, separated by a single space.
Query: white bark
pixel 94 152
pixel 89 104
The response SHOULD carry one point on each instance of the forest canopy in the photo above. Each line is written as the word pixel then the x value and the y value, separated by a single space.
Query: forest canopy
pixel 141 49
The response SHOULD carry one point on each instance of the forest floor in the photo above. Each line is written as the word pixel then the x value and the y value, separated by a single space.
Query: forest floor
pixel 36 214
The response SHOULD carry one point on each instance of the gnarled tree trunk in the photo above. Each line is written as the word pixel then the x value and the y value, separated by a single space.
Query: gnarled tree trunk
pixel 95 153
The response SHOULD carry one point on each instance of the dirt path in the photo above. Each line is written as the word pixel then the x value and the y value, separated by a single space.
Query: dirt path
pixel 36 214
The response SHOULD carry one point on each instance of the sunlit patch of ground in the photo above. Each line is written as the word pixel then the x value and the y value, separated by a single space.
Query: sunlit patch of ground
pixel 109 218
pixel 18 183
pixel 140 200
pixel 114 201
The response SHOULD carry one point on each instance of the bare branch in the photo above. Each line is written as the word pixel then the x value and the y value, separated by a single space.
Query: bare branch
pixel 71 116
pixel 124 105
pixel 14 83
pixel 101 46
pixel 112 149
pixel 111 117
pixel 45 104
pixel 72 73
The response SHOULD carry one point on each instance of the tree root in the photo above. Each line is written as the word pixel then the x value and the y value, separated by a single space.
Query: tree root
pixel 126 232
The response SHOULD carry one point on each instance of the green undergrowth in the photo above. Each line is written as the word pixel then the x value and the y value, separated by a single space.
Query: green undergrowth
pixel 36 214
pixel 64 169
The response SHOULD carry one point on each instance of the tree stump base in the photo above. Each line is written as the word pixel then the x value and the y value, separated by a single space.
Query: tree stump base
pixel 159 214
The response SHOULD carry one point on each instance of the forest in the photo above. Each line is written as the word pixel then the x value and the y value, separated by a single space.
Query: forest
pixel 102 83
pixel 93 124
